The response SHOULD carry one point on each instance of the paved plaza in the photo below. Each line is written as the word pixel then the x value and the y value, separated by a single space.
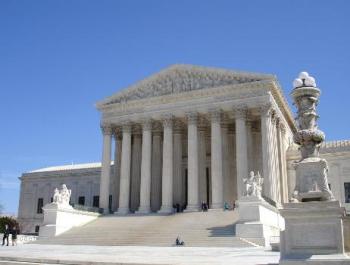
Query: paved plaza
pixel 59 254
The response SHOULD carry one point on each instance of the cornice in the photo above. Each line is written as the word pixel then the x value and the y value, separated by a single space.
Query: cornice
pixel 331 147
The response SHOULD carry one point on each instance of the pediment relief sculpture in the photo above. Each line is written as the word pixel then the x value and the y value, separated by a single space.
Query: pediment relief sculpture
pixel 182 78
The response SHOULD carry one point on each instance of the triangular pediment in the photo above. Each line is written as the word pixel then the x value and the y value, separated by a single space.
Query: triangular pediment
pixel 182 78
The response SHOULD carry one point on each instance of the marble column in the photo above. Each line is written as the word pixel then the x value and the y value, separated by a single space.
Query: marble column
pixel 135 170
pixel 192 179
pixel 117 162
pixel 276 171
pixel 124 194
pixel 156 177
pixel 202 164
pixel 267 152
pixel 241 148
pixel 146 167
pixel 167 171
pixel 225 162
pixel 250 154
pixel 106 167
pixel 178 177
pixel 216 161
pixel 283 161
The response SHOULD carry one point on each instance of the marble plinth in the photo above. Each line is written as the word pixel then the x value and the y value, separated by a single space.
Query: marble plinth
pixel 313 234
pixel 258 220
pixel 312 183
pixel 60 218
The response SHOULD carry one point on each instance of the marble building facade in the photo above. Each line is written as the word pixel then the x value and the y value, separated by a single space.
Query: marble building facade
pixel 184 136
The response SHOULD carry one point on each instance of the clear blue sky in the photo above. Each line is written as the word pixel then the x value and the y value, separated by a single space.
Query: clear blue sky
pixel 57 58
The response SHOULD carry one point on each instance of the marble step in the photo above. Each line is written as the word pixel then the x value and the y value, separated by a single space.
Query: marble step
pixel 196 229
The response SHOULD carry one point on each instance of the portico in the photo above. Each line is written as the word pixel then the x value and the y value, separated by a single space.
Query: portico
pixel 191 134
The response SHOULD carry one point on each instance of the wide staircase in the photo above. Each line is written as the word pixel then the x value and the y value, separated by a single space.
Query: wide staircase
pixel 207 229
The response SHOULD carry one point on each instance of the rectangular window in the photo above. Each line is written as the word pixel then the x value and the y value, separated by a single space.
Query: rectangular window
pixel 96 201
pixel 81 200
pixel 40 205
pixel 37 228
pixel 51 200
pixel 110 203
pixel 347 192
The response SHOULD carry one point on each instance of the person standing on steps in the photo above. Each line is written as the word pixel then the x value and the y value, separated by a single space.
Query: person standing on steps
pixel 6 235
pixel 14 233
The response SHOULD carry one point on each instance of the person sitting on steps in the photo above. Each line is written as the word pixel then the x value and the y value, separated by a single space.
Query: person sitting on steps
pixel 179 242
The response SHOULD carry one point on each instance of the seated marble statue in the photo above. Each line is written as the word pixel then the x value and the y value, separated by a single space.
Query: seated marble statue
pixel 62 196
pixel 253 185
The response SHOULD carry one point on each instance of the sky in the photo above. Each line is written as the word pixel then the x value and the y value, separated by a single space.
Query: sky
pixel 58 58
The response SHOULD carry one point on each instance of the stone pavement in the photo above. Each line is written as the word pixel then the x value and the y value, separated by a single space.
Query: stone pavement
pixel 132 255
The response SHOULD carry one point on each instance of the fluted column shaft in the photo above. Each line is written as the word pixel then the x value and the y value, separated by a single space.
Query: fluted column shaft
pixel 216 161
pixel 193 180
pixel 202 165
pixel 135 170
pixel 276 169
pixel 124 195
pixel 106 167
pixel 117 163
pixel 241 149
pixel 178 179
pixel 145 190
pixel 267 150
pixel 167 171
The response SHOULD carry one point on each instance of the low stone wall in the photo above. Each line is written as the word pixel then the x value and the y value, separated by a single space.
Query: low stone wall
pixel 346 231
pixel 21 239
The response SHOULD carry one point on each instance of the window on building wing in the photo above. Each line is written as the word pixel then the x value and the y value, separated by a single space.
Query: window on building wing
pixel 81 200
pixel 96 201
pixel 40 206
pixel 347 192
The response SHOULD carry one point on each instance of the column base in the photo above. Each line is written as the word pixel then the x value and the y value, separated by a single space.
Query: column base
pixel 219 205
pixel 143 210
pixel 192 208
pixel 122 211
pixel 166 210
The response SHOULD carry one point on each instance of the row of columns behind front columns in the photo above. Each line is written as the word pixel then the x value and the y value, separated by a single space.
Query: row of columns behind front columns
pixel 161 165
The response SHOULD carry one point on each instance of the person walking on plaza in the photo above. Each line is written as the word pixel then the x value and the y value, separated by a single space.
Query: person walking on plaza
pixel 14 233
pixel 6 235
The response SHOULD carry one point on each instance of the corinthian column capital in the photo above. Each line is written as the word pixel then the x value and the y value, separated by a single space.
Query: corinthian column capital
pixel 192 117
pixel 240 112
pixel 126 127
pixel 215 115
pixel 168 120
pixel 146 124
pixel 265 109
pixel 106 128
pixel 117 133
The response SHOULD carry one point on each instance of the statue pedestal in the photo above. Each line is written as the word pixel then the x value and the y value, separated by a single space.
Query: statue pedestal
pixel 258 221
pixel 59 218
pixel 312 184
pixel 313 234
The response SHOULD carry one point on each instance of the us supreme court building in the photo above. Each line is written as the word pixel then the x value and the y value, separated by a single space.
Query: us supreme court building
pixel 184 136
